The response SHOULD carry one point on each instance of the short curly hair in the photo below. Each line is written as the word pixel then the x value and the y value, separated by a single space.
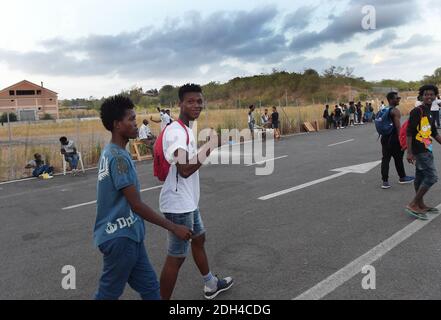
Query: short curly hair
pixel 428 87
pixel 114 109
pixel 187 88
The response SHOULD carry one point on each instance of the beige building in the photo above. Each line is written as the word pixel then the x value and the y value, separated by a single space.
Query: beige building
pixel 29 101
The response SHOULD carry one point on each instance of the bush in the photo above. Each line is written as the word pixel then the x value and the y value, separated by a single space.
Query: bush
pixel 12 117
pixel 47 116
pixel 362 97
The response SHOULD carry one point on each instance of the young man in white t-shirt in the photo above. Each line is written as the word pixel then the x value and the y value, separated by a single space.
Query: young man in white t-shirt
pixel 179 199
pixel 434 110
pixel 165 119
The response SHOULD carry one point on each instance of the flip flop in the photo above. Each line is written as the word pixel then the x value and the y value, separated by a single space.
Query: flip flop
pixel 421 216
pixel 433 210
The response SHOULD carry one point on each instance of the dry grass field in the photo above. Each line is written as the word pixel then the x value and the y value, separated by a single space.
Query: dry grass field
pixel 90 136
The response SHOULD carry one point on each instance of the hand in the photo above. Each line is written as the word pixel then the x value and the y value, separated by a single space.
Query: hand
pixel 182 232
pixel 410 158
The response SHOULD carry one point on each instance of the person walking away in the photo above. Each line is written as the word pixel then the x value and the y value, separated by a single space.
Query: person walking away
pixel 391 147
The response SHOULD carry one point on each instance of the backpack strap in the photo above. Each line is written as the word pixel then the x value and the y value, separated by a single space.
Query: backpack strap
pixel 185 128
pixel 188 143
pixel 421 116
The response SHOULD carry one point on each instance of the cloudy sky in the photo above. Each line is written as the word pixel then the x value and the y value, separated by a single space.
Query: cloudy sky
pixel 97 48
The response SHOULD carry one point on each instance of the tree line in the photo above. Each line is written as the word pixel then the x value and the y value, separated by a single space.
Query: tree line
pixel 279 86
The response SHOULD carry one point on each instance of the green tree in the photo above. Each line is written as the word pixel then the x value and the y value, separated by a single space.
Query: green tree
pixel 12 117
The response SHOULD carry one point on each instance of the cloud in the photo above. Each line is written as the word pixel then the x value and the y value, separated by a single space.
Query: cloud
pixel 415 41
pixel 199 46
pixel 344 26
pixel 299 19
pixel 386 38
pixel 176 48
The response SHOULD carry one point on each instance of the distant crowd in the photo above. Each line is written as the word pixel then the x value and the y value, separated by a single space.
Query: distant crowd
pixel 350 115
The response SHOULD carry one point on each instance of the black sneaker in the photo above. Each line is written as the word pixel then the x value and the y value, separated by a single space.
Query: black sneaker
pixel 222 285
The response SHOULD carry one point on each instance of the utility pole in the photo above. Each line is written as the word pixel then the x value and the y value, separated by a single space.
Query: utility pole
pixel 9 127
pixel 11 167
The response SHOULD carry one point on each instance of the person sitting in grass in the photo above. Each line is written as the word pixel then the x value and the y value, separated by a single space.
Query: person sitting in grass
pixel 39 166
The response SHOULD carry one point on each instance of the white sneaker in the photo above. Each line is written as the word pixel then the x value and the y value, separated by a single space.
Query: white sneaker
pixel 222 285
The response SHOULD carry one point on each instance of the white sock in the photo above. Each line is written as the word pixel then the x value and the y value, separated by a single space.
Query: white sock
pixel 210 281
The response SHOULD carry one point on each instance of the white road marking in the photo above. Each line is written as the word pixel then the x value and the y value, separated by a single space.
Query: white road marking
pixel 265 161
pixel 361 168
pixel 334 281
pixel 338 143
pixel 33 178
pixel 93 202
pixel 302 186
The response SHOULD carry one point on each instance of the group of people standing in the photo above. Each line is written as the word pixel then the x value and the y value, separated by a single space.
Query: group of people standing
pixel 348 116
pixel 267 121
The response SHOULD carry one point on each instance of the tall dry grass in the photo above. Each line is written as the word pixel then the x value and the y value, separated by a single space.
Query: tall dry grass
pixel 91 137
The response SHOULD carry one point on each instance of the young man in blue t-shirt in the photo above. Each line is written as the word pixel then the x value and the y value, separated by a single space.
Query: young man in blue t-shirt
pixel 119 227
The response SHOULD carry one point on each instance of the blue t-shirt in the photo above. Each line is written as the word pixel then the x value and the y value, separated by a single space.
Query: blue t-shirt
pixel 115 218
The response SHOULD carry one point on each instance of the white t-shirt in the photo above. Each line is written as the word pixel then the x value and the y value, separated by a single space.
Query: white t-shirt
pixel 418 103
pixel 144 132
pixel 435 105
pixel 69 148
pixel 179 195
pixel 165 120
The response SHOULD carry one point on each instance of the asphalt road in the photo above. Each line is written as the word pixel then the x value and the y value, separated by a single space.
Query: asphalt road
pixel 275 249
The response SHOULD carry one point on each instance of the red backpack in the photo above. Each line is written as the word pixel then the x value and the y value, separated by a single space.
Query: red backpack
pixel 161 166
pixel 403 132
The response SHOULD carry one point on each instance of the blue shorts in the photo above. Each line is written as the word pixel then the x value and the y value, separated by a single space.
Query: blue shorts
pixel 425 174
pixel 126 261
pixel 179 248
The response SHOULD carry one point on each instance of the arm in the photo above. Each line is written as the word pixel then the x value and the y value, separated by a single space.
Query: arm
pixel 149 215
pixel 396 118
pixel 186 167
pixel 155 121
pixel 414 119
pixel 410 156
